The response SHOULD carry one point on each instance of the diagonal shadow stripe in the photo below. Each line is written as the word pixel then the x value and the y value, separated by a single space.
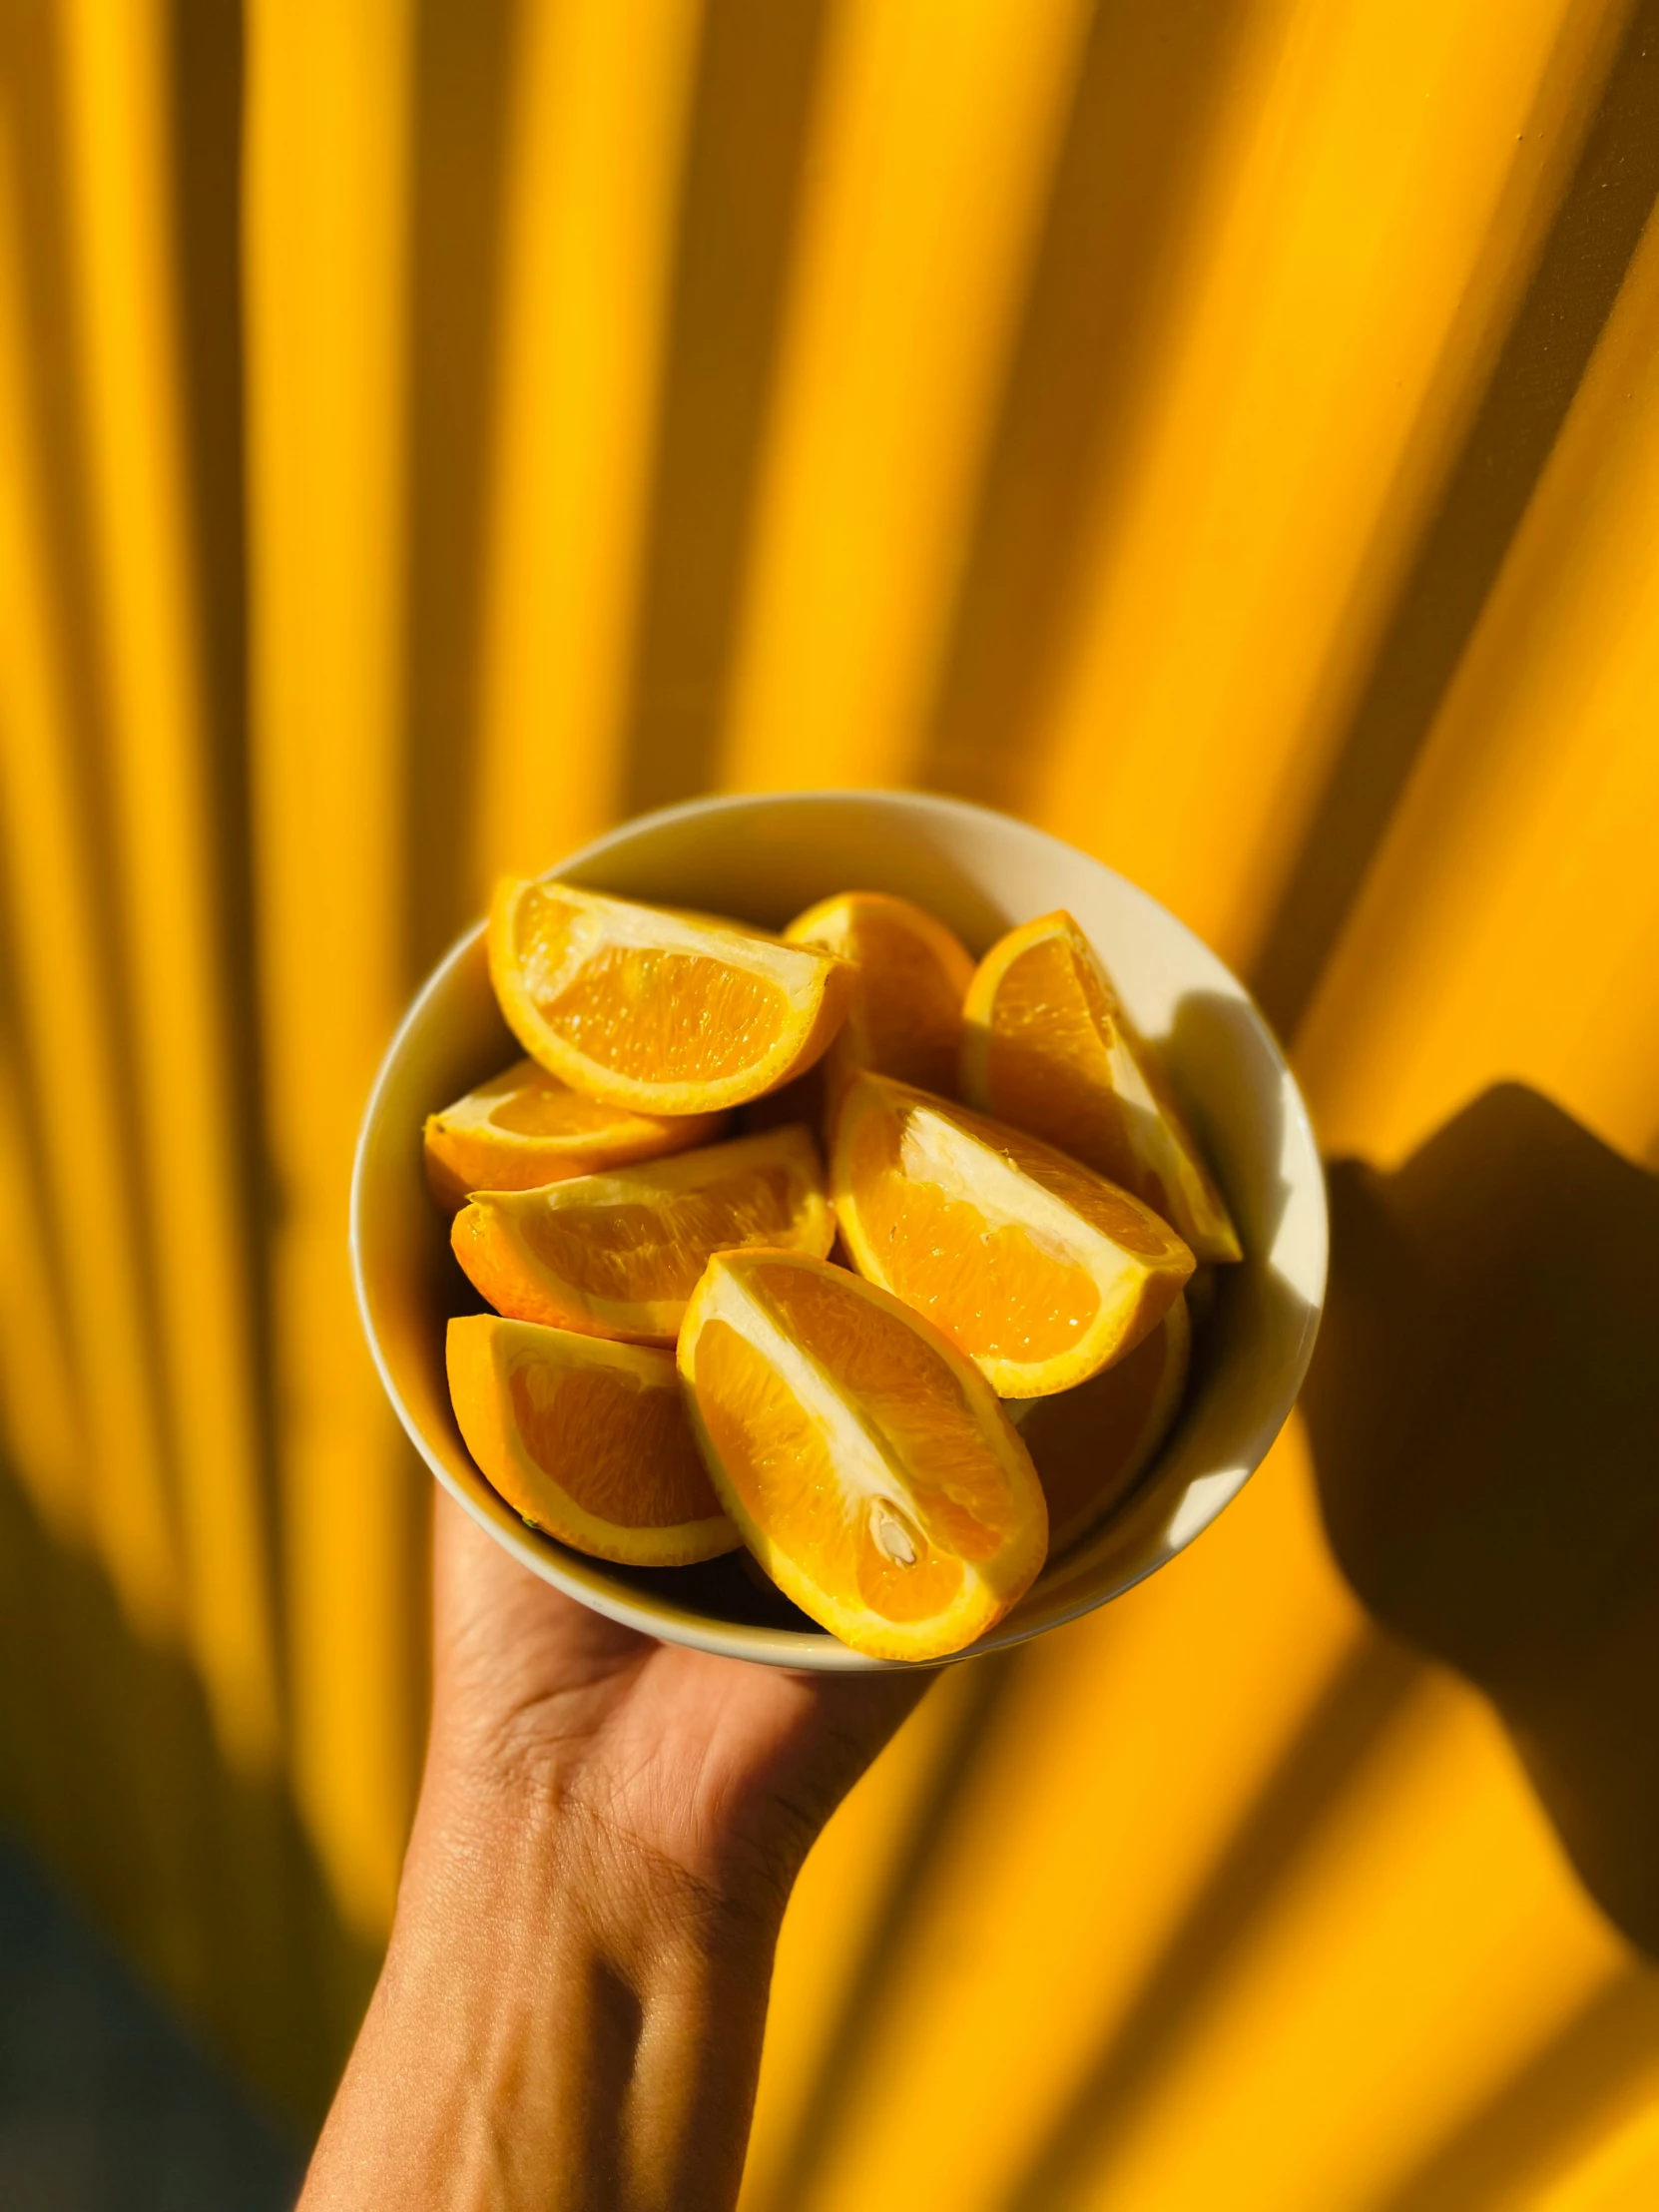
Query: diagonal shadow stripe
pixel 1363 1697
pixel 1125 185
pixel 207 70
pixel 1580 269
pixel 206 59
pixel 32 87
pixel 464 61
pixel 892 1929
pixel 1543 2111
pixel 168 1834
pixel 266 1925
pixel 133 1718
pixel 750 115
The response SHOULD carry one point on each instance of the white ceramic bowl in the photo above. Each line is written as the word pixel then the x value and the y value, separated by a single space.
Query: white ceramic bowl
pixel 763 860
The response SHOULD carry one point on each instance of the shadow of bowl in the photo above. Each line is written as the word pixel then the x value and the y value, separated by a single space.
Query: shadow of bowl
pixel 764 858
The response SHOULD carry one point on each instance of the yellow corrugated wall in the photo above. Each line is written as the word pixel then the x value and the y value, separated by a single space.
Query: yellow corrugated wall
pixel 1225 431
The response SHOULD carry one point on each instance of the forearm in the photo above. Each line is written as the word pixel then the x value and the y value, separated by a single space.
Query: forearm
pixel 561 2022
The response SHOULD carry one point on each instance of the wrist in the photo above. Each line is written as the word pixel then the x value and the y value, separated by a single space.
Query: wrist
pixel 552 1976
pixel 549 1848
pixel 708 1869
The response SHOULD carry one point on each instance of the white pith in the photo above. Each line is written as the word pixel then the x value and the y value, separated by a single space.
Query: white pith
pixel 477 1115
pixel 1152 1142
pixel 1155 1141
pixel 652 1367
pixel 809 1226
pixel 674 1176
pixel 474 1113
pixel 962 1166
pixel 933 1150
pixel 858 1460
pixel 859 1465
pixel 667 1544
pixel 598 922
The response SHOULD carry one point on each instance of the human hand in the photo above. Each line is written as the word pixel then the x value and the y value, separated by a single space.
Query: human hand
pixel 713 1774
pixel 572 2006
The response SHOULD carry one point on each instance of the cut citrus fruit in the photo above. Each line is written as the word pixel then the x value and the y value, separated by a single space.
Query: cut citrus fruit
pixel 1040 1271
pixel 586 1439
pixel 1091 1444
pixel 905 1015
pixel 652 1010
pixel 619 1254
pixel 524 1128
pixel 1047 1046
pixel 867 1464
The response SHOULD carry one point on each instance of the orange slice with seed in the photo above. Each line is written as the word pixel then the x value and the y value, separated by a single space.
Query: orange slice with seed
pixel 588 1441
pixel 1091 1446
pixel 867 1464
pixel 524 1128
pixel 660 1011
pixel 905 1015
pixel 1038 1269
pixel 1047 1047
pixel 619 1254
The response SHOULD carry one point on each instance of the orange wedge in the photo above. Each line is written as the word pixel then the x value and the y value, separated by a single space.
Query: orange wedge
pixel 662 1012
pixel 524 1128
pixel 1038 1269
pixel 619 1254
pixel 869 1464
pixel 589 1441
pixel 1091 1444
pixel 905 1015
pixel 1047 1047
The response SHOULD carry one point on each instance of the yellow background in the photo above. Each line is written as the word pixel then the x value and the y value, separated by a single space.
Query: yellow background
pixel 1225 432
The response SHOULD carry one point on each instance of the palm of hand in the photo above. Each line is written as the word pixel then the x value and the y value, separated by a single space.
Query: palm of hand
pixel 720 1771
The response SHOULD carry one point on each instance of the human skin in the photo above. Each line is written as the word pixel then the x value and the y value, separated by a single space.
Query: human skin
pixel 572 2003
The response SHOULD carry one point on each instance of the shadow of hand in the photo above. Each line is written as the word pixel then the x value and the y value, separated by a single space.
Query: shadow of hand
pixel 1485 1416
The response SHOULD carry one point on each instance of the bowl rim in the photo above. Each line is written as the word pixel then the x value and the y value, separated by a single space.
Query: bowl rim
pixel 818 1652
